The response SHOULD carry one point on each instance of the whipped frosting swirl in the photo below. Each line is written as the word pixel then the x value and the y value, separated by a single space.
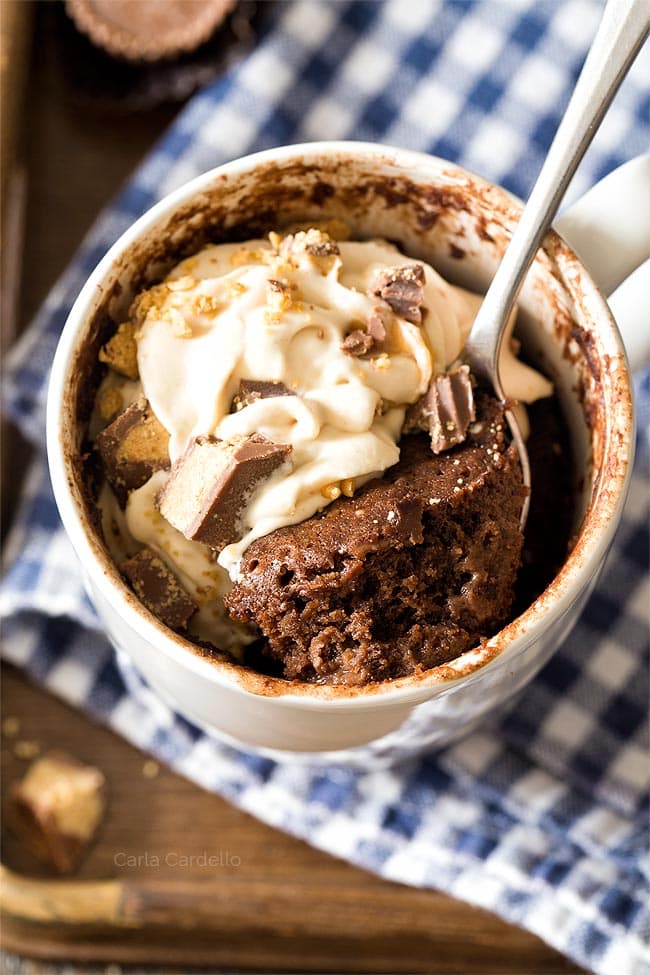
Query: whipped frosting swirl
pixel 273 310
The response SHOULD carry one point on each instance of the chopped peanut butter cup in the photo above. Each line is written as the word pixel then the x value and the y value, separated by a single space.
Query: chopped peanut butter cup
pixel 210 486
pixel 132 448
pixel 445 411
pixel 159 589
pixel 148 30
pixel 56 809
pixel 251 390
pixel 360 342
pixel 121 351
pixel 403 289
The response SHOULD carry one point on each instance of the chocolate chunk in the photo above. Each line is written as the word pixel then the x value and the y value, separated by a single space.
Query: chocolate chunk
pixel 132 448
pixel 56 809
pixel 376 326
pixel 408 521
pixel 360 342
pixel 403 289
pixel 210 486
pixel 251 390
pixel 445 411
pixel 158 588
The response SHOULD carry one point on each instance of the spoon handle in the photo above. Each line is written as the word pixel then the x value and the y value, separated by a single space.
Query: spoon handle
pixel 624 26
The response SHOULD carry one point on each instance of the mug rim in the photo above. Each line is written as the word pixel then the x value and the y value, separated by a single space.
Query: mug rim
pixel 594 537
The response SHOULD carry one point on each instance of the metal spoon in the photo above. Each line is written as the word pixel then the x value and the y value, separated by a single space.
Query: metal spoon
pixel 624 26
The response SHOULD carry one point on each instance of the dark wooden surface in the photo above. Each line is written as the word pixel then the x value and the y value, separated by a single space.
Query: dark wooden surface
pixel 274 903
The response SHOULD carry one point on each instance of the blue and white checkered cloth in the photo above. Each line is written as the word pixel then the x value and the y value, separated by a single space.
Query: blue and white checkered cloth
pixel 541 817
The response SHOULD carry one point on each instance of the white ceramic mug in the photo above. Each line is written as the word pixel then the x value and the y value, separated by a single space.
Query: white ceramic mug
pixel 459 223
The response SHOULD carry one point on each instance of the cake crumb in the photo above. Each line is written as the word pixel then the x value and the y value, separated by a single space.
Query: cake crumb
pixel 27 749
pixel 185 283
pixel 207 305
pixel 10 726
pixel 150 769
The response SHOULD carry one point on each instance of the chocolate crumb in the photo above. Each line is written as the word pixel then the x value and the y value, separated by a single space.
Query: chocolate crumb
pixel 376 326
pixel 325 248
pixel 317 243
pixel 357 342
pixel 276 285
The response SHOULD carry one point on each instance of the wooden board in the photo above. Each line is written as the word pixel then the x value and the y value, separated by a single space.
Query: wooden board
pixel 270 903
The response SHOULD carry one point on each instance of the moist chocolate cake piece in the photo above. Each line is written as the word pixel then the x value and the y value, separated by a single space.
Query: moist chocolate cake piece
pixel 417 568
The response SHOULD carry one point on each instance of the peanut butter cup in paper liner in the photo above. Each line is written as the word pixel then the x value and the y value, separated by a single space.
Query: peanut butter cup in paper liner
pixel 148 30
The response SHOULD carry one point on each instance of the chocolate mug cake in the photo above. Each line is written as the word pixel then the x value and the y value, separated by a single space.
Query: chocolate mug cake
pixel 298 472
pixel 580 444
